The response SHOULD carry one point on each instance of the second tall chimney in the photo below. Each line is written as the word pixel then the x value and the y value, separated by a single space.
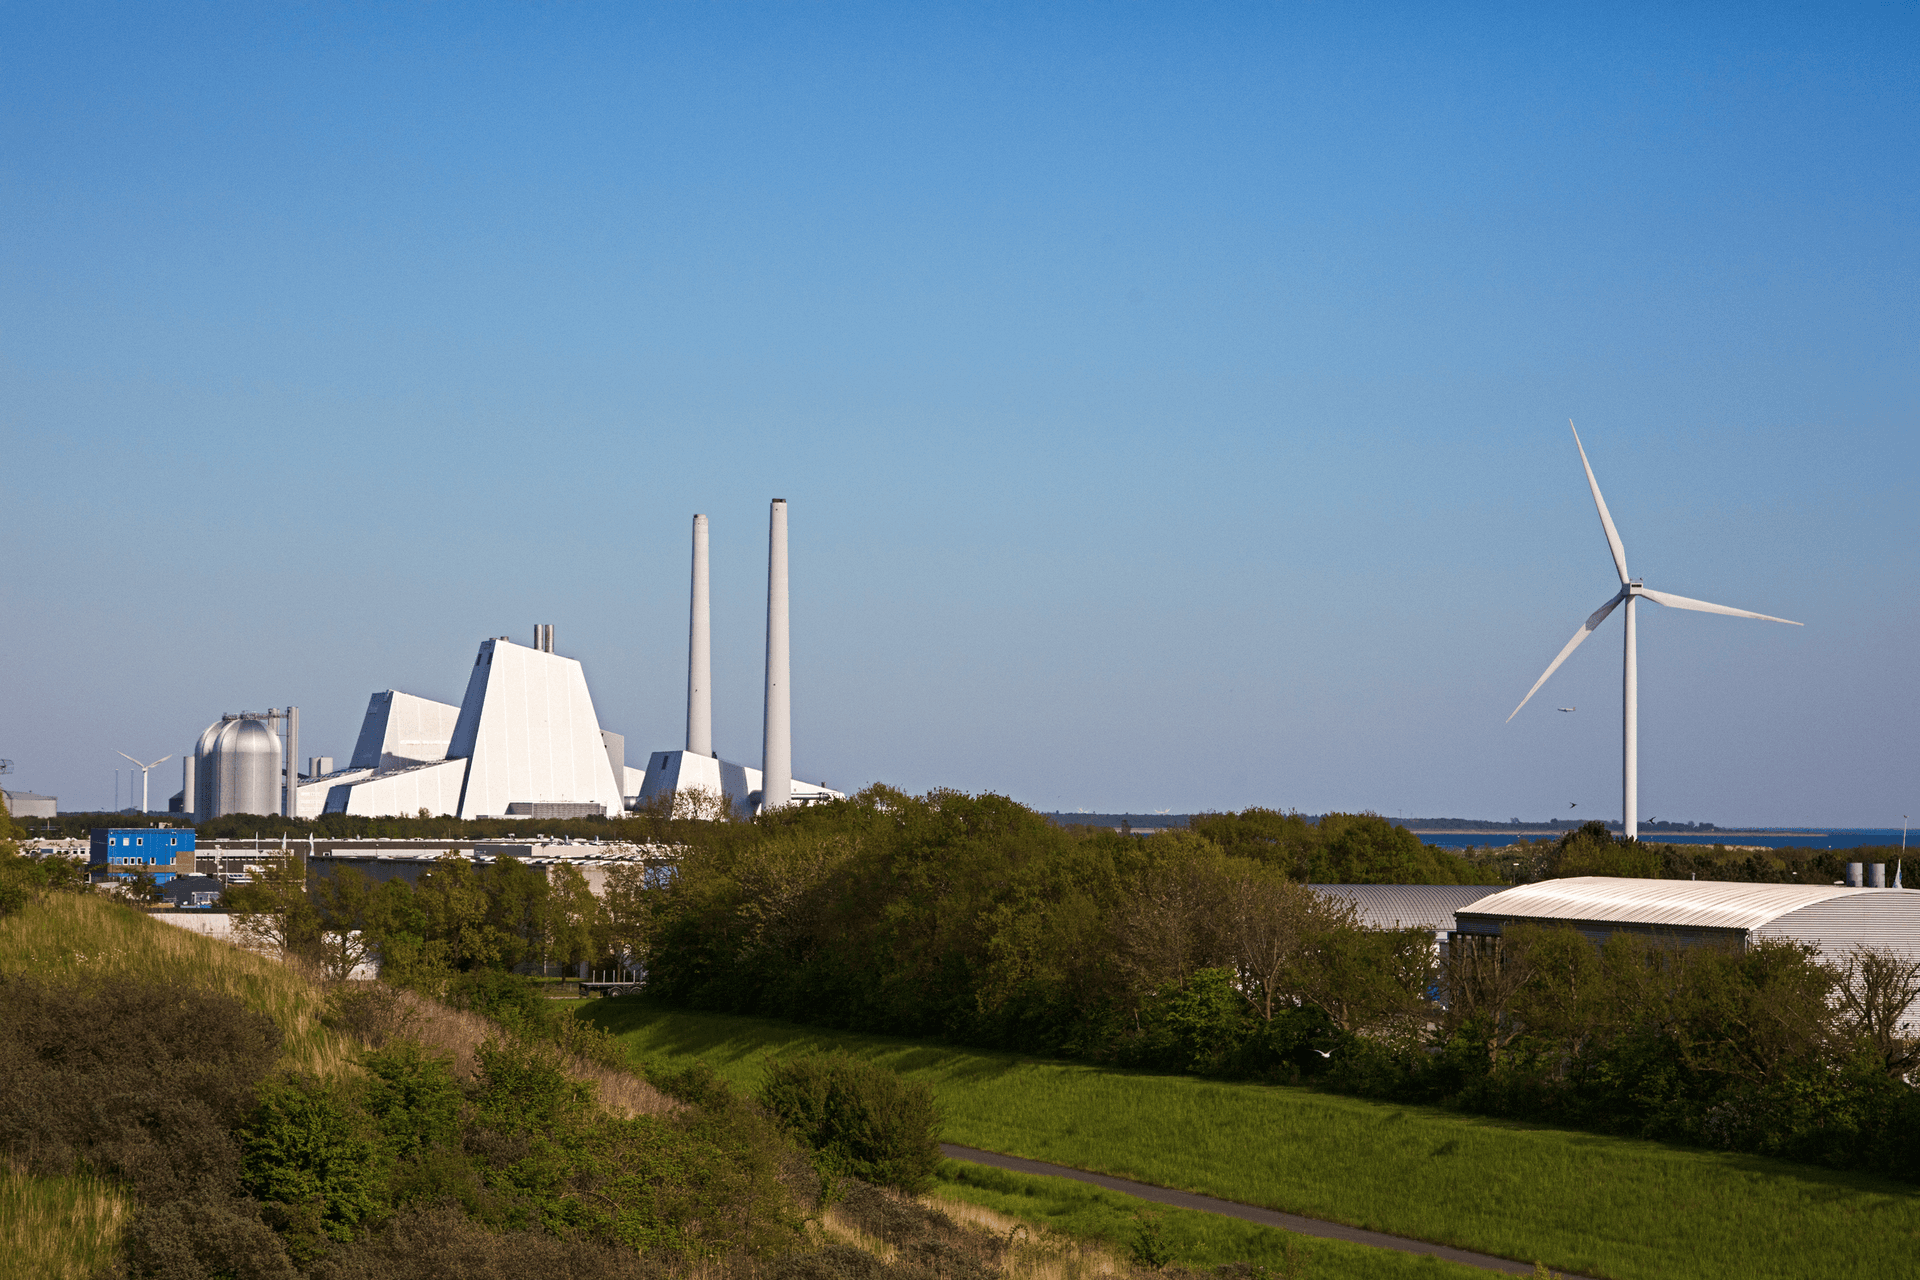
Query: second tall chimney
pixel 776 755
pixel 700 651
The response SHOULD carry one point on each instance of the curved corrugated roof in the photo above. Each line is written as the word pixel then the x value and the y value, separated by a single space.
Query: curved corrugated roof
pixel 1680 904
pixel 1408 906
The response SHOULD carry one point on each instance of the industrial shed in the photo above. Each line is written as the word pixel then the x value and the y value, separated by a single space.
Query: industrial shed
pixel 1833 917
pixel 1408 906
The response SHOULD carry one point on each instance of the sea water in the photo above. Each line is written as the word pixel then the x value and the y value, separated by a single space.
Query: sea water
pixel 1771 838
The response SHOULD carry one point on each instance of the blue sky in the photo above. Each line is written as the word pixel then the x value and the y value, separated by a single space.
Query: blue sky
pixel 1171 399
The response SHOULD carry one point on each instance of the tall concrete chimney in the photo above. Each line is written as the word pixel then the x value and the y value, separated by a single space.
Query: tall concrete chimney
pixel 776 755
pixel 700 650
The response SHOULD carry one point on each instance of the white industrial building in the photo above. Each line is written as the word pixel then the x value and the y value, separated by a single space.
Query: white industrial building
pixel 1408 906
pixel 1835 918
pixel 525 740
pixel 525 734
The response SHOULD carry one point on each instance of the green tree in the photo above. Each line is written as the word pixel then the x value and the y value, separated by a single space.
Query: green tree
pixel 273 912
pixel 576 921
pixel 517 912
pixel 454 903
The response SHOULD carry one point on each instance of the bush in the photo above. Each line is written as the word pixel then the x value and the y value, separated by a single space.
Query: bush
pixel 412 1097
pixel 441 1244
pixel 863 1120
pixel 305 1158
pixel 140 1081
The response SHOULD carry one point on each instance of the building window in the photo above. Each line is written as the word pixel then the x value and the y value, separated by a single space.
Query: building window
pixel 139 840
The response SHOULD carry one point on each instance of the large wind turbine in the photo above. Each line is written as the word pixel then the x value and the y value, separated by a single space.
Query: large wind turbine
pixel 143 778
pixel 1630 591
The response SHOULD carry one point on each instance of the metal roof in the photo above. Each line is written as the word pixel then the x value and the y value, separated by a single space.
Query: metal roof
pixel 1678 904
pixel 1408 906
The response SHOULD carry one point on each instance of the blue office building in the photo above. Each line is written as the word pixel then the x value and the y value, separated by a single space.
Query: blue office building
pixel 121 852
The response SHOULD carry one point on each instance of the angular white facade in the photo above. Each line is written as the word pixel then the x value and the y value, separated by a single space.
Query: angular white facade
pixel 529 734
pixel 434 787
pixel 671 772
pixel 525 733
pixel 401 729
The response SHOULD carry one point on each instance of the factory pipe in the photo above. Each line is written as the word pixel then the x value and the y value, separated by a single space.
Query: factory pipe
pixel 776 755
pixel 700 650
pixel 293 762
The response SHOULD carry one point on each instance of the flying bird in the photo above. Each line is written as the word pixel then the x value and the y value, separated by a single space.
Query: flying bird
pixel 1325 1053
pixel 1566 708
pixel 1573 804
pixel 1630 593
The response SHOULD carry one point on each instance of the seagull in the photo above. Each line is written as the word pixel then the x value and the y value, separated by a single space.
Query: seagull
pixel 1325 1053
pixel 1566 708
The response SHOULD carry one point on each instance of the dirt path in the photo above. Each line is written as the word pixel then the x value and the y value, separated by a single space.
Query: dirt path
pixel 1245 1212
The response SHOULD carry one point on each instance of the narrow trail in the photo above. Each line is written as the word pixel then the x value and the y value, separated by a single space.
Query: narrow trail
pixel 1247 1213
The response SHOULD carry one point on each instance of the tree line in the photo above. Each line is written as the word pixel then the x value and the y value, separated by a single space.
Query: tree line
pixel 972 919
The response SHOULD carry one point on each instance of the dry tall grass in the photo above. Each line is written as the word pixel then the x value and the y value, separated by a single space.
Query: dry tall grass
pixel 379 1013
pixel 57 1228
pixel 1034 1253
pixel 93 939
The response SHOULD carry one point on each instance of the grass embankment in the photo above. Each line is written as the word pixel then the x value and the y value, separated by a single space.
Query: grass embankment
pixel 70 1226
pixel 57 1228
pixel 1577 1201
pixel 90 938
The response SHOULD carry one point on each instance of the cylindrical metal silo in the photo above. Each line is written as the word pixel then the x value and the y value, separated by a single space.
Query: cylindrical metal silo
pixel 245 769
pixel 201 801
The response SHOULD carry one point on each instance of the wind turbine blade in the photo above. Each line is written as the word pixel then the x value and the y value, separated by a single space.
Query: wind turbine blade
pixel 124 756
pixel 1586 629
pixel 1682 602
pixel 1606 520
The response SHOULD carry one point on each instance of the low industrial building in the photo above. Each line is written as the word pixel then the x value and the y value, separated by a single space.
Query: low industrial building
pixel 120 853
pixel 31 804
pixel 1408 906
pixel 1835 918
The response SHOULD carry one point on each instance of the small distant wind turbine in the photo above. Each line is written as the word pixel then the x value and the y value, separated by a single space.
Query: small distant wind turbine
pixel 143 776
pixel 1630 591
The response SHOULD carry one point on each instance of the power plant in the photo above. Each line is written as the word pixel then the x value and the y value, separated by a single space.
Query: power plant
pixel 525 739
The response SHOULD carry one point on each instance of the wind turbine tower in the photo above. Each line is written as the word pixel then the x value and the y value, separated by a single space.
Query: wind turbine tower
pixel 143 776
pixel 1630 592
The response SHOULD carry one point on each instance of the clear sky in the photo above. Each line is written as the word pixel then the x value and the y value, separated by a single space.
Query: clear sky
pixel 1172 399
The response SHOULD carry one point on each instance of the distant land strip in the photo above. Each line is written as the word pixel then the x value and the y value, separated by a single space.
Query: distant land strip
pixel 1318 1228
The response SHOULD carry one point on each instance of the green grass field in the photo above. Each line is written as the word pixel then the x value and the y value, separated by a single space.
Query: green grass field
pixel 1192 1237
pixel 1580 1202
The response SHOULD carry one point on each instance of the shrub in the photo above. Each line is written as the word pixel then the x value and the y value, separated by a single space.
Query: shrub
pixel 412 1098
pixel 193 1239
pixel 140 1081
pixel 305 1158
pixel 440 1244
pixel 863 1120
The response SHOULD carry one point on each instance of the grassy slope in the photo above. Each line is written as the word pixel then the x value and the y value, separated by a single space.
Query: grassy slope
pixel 1602 1206
pixel 70 1226
pixel 1196 1238
pixel 57 1228
pixel 92 938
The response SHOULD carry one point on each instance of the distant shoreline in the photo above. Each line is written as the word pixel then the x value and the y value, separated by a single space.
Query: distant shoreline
pixel 1646 836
